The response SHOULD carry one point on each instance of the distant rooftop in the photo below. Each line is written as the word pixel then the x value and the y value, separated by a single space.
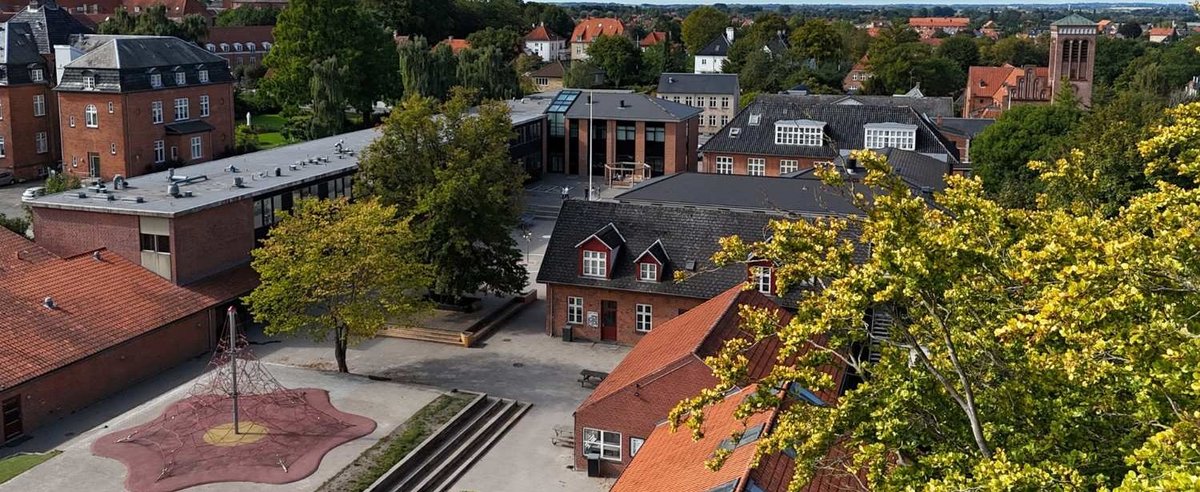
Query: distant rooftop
pixel 212 183
pixel 529 108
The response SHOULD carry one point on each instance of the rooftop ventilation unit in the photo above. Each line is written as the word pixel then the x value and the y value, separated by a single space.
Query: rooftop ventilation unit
pixel 81 195
pixel 231 169
pixel 278 172
pixel 173 190
pixel 734 132
pixel 238 183
pixel 293 167
pixel 119 182
pixel 49 303
pixel 96 255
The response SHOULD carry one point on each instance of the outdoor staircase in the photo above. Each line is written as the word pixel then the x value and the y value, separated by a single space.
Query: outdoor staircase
pixel 426 334
pixel 447 454
pixel 543 211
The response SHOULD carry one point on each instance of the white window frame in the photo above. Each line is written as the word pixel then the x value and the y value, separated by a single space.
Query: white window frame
pixel 648 271
pixel 761 275
pixel 156 80
pixel 160 151
pixel 203 106
pixel 203 75
pixel 574 310
pixel 795 133
pixel 39 105
pixel 788 166
pixel 182 109
pixel 600 445
pixel 41 142
pixel 643 316
pixel 197 147
pixel 756 166
pixel 903 137
pixel 724 165
pixel 156 112
pixel 37 75
pixel 180 78
pixel 595 264
pixel 91 116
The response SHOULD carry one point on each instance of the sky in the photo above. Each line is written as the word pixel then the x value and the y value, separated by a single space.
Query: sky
pixel 857 2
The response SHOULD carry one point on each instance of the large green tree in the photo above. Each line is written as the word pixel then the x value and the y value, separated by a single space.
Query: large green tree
pixel 247 15
pixel 505 40
pixel 304 34
pixel 425 72
pixel 665 57
pixel 336 270
pixel 328 94
pixel 1024 133
pixel 154 22
pixel 619 56
pixel 701 26
pixel 1046 348
pixel 488 74
pixel 818 40
pixel 449 174
pixel 962 50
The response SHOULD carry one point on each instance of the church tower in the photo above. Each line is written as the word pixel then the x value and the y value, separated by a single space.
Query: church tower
pixel 1073 56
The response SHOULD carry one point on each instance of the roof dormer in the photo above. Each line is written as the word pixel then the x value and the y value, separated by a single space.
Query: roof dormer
pixel 652 263
pixel 895 135
pixel 808 133
pixel 598 252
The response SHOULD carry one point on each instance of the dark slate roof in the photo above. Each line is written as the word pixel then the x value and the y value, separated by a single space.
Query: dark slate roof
pixel 719 46
pixel 139 52
pixel 554 70
pixel 188 127
pixel 51 24
pixel 18 46
pixel 636 107
pixel 844 128
pixel 967 127
pixel 920 171
pixel 804 196
pixel 698 83
pixel 609 235
pixel 656 251
pixel 929 106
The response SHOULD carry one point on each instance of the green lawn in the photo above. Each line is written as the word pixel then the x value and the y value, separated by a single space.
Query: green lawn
pixel 269 124
pixel 17 464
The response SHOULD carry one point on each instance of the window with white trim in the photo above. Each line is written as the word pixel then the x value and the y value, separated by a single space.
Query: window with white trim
pixel 204 75
pixel 197 148
pixel 3 148
pixel 156 80
pixel 575 310
pixel 798 133
pixel 724 165
pixel 41 143
pixel 156 112
pixel 756 166
pixel 594 263
pixel 903 137
pixel 111 107
pixel 643 317
pixel 160 151
pixel 648 272
pixel 605 443
pixel 89 81
pixel 761 276
pixel 203 106
pixel 37 75
pixel 181 109
pixel 39 105
pixel 180 78
pixel 635 443
pixel 788 166
pixel 91 117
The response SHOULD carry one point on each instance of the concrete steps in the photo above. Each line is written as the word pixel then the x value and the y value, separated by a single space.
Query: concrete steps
pixel 543 211
pixel 425 334
pixel 447 454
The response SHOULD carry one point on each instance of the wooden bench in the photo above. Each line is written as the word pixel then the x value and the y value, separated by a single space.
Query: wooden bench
pixel 589 378
pixel 564 435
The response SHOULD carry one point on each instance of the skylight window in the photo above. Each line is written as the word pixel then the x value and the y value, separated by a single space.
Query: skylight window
pixel 755 119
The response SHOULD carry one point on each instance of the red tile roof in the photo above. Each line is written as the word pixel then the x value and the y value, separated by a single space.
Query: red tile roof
pixel 456 45
pixel 935 42
pixel 1162 31
pixel 985 81
pixel 589 29
pixel 18 254
pixel 673 461
pixel 540 33
pixel 99 303
pixel 653 38
pixel 240 34
pixel 226 286
pixel 939 22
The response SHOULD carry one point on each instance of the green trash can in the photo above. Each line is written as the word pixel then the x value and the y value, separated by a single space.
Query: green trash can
pixel 568 333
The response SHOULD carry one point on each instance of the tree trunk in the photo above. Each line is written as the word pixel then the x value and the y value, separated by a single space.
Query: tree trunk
pixel 340 340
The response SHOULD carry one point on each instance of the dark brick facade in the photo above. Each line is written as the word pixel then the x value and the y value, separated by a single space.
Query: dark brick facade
pixel 665 307
pixel 19 127
pixel 72 232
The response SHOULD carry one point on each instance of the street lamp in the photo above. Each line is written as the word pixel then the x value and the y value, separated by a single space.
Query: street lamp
pixel 591 138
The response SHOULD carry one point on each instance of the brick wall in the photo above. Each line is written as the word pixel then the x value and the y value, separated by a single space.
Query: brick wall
pixel 19 128
pixel 665 307
pixel 635 411
pixel 212 240
pixel 772 164
pixel 62 392
pixel 71 232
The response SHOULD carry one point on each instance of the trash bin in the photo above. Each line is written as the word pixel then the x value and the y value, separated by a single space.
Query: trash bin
pixel 593 464
pixel 568 333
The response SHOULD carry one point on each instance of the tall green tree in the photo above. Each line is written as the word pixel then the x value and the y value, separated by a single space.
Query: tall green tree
pixel 818 40
pixel 432 20
pixel 328 94
pixel 451 177
pixel 304 34
pixel 619 56
pixel 1016 52
pixel 336 270
pixel 701 26
pixel 1022 134
pixel 425 72
pixel 247 15
pixel 581 75
pixel 154 22
pixel 962 50
pixel 505 40
pixel 488 74
pixel 665 57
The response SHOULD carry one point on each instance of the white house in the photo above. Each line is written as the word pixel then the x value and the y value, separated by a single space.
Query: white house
pixel 544 43
pixel 711 59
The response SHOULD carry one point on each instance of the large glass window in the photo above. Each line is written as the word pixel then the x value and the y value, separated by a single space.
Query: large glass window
pixel 626 132
pixel 41 143
pixel 203 106
pixel 197 147
pixel 39 105
pixel 605 443
pixel 788 166
pixel 594 263
pixel 895 137
pixel 756 166
pixel 181 109
pixel 156 112
pixel 644 317
pixel 265 210
pixel 793 134
pixel 724 165
pixel 656 134
pixel 91 117
pixel 160 151
pixel 155 243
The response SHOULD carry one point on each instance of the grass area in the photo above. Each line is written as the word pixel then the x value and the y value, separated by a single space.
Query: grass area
pixel 268 122
pixel 17 464
pixel 377 460
pixel 269 126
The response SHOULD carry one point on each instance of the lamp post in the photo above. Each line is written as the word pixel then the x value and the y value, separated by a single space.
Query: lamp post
pixel 591 138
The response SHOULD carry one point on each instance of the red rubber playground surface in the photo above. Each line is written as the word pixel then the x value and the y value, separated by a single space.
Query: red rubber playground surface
pixel 283 437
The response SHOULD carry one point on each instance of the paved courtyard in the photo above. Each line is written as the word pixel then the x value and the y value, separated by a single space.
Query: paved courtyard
pixel 10 197
pixel 77 469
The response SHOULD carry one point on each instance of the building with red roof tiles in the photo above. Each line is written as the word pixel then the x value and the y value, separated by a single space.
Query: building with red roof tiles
pixel 857 77
pixel 546 44
pixel 928 27
pixel 241 46
pixel 77 329
pixel 1161 34
pixel 990 30
pixel 651 39
pixel 262 4
pixel 456 45
pixel 587 30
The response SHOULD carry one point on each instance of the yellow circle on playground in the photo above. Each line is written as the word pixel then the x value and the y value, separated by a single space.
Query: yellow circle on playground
pixel 223 435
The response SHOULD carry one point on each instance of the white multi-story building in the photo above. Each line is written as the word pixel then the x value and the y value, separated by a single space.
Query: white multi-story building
pixel 546 44
pixel 711 58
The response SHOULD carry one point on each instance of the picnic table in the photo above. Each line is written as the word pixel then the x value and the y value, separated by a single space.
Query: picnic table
pixel 590 378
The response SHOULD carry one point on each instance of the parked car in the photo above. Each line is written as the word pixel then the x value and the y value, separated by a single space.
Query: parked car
pixel 6 178
pixel 31 193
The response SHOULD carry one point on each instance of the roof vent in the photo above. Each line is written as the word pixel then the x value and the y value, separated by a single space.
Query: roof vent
pixel 755 119
pixel 187 194
pixel 278 172
pixel 670 80
pixel 49 303
pixel 231 169
pixel 293 167
pixel 172 189
pixel 119 182
pixel 96 255
pixel 81 195
pixel 111 197
pixel 621 104
pixel 238 183
pixel 690 265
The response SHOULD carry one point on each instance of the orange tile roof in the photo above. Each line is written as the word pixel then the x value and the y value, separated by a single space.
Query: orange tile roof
pixel 985 81
pixel 457 45
pixel 99 304
pixel 673 461
pixel 589 29
pixel 936 22
pixel 540 33
pixel 1162 31
pixel 935 42
pixel 653 38
pixel 18 254
pixel 240 34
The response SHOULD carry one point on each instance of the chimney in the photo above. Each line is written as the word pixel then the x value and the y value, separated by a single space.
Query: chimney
pixel 729 34
pixel 621 103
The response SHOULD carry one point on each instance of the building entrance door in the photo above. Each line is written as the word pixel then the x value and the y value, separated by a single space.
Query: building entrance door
pixel 608 320
pixel 11 410
pixel 93 164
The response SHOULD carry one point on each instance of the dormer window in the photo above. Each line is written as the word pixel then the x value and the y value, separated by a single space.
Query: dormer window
pixel 894 135
pixel 648 272
pixel 808 133
pixel 210 47
pixel 203 76
pixel 37 75
pixel 156 80
pixel 761 277
pixel 595 264
pixel 180 78
pixel 598 251
pixel 224 46
pixel 89 82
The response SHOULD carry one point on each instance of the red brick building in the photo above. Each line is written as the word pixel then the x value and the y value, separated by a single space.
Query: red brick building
pixel 635 136
pixel 667 366
pixel 131 105
pixel 29 132
pixel 241 46
pixel 74 330
pixel 198 229
pixel 779 134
